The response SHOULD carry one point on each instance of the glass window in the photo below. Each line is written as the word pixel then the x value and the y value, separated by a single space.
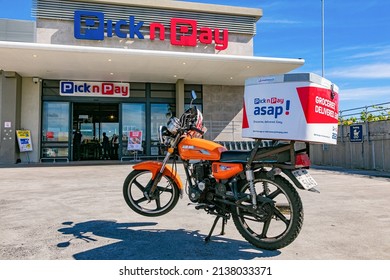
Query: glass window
pixel 163 94
pixel 160 114
pixel 54 152
pixel 138 86
pixel 162 90
pixel 137 90
pixel 137 93
pixel 163 87
pixel 55 122
pixel 50 88
pixel 55 129
pixel 198 106
pixel 133 119
pixel 189 88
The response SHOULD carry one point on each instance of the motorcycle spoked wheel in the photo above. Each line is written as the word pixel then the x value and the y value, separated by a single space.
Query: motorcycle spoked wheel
pixel 163 201
pixel 277 223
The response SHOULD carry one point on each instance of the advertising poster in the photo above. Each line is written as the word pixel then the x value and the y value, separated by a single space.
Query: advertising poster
pixel 135 141
pixel 24 140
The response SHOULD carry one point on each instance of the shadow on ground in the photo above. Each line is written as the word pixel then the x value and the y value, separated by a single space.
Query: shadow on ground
pixel 153 244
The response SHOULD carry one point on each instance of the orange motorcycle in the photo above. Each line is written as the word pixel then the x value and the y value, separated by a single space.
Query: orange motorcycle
pixel 255 188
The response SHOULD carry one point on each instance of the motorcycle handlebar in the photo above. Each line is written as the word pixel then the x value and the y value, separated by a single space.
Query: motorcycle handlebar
pixel 197 130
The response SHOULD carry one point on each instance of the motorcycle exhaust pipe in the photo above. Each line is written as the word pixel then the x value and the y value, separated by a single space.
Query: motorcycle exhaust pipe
pixel 284 208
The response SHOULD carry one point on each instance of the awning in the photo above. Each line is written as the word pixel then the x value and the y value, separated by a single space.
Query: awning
pixel 65 62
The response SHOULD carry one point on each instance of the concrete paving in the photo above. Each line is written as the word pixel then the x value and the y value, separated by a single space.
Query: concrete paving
pixel 77 212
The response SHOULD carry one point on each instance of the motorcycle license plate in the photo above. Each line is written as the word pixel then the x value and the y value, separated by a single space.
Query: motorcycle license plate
pixel 303 177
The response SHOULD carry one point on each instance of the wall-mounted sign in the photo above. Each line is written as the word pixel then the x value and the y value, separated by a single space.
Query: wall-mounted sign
pixel 356 133
pixel 91 25
pixel 24 140
pixel 95 89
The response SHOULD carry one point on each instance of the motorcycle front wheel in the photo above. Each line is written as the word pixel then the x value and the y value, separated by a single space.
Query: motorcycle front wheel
pixel 278 217
pixel 136 193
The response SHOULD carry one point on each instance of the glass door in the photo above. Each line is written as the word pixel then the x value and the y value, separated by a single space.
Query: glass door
pixel 97 123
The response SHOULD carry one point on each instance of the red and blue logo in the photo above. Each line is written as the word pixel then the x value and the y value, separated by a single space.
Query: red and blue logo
pixel 91 25
pixel 271 107
pixel 102 89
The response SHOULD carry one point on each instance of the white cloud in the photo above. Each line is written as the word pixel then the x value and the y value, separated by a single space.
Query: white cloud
pixel 365 93
pixel 373 53
pixel 279 21
pixel 367 71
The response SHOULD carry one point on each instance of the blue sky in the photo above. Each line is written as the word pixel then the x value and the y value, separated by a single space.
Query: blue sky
pixel 357 40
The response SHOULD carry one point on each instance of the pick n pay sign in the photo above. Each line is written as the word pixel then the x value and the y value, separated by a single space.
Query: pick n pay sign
pixel 95 89
pixel 91 25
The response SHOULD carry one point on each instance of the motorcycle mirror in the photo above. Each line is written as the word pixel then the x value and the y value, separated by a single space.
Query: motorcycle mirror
pixel 193 94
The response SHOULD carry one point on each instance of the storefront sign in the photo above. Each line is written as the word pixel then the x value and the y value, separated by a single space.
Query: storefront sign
pixel 24 140
pixel 135 141
pixel 101 89
pixel 90 25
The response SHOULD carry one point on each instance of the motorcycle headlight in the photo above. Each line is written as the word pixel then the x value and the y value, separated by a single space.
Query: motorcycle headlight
pixel 173 125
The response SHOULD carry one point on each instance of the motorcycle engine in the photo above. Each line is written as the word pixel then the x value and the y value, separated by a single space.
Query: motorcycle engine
pixel 201 172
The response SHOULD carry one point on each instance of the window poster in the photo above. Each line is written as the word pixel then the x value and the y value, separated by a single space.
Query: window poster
pixel 24 140
pixel 135 141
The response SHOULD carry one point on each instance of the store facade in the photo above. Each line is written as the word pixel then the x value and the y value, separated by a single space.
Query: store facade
pixel 116 68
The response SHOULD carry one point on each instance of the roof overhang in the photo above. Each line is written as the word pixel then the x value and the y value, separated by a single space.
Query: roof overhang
pixel 65 62
pixel 186 6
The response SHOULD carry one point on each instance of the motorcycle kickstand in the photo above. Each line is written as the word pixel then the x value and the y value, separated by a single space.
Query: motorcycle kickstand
pixel 224 221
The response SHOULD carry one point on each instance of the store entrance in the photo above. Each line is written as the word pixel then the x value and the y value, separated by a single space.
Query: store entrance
pixel 90 122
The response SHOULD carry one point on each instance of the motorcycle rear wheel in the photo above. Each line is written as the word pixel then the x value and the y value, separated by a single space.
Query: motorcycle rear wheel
pixel 279 219
pixel 164 200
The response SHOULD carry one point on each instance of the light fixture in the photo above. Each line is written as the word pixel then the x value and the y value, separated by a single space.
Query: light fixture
pixel 35 56
pixel 112 74
pixel 109 60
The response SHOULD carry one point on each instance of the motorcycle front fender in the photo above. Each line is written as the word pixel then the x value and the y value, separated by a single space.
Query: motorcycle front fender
pixel 155 167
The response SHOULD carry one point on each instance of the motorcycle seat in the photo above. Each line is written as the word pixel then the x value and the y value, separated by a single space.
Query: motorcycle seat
pixel 235 156
pixel 243 156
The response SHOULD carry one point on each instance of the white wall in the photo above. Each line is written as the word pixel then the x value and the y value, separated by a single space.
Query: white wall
pixel 31 115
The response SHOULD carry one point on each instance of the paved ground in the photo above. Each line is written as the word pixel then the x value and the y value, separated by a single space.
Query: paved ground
pixel 78 212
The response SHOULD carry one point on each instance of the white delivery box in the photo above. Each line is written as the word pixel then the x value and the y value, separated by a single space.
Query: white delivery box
pixel 301 107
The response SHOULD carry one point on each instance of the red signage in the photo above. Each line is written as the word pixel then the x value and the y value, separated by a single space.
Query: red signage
pixel 318 105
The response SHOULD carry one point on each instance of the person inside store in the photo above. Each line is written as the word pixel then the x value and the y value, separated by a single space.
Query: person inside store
pixel 115 146
pixel 106 147
pixel 77 144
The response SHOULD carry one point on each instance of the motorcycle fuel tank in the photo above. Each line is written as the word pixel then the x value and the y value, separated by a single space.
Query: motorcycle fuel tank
pixel 200 149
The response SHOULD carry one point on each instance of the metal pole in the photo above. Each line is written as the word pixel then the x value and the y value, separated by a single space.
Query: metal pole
pixel 323 36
